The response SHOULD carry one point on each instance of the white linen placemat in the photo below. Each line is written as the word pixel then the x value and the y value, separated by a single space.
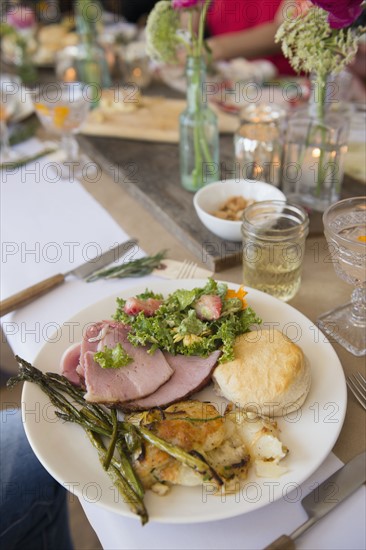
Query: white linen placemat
pixel 51 227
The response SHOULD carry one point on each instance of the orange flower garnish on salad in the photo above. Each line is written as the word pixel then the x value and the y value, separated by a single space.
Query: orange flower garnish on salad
pixel 241 293
pixel 362 238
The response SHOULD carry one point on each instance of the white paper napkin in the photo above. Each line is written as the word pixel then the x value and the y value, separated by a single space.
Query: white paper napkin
pixel 50 227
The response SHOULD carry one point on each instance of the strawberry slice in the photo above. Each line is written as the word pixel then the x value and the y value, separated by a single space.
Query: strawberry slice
pixel 208 307
pixel 134 306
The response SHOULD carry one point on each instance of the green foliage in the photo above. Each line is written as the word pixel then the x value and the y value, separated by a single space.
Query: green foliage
pixel 134 268
pixel 164 34
pixel 112 358
pixel 161 32
pixel 175 327
pixel 311 45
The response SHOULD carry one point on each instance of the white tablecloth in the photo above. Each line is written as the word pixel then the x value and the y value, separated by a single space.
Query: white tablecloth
pixel 50 227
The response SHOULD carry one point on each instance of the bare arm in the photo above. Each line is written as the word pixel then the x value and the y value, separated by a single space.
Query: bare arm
pixel 254 42
pixel 250 43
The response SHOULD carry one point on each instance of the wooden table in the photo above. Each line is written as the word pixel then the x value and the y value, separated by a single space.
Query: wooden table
pixel 149 172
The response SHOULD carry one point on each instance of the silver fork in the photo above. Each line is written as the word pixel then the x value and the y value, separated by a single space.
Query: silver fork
pixel 187 270
pixel 174 269
pixel 357 385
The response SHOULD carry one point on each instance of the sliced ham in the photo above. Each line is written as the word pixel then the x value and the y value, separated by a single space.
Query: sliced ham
pixel 98 335
pixel 143 376
pixel 191 374
pixel 72 361
pixel 90 342
pixel 149 381
pixel 69 363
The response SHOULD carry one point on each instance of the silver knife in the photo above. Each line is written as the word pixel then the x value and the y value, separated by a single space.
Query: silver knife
pixel 31 293
pixel 325 497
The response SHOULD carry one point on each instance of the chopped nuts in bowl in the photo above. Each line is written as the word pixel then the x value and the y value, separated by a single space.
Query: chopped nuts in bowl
pixel 220 205
pixel 233 208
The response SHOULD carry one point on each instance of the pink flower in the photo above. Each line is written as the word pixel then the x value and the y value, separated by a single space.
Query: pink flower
pixel 181 4
pixel 21 17
pixel 342 13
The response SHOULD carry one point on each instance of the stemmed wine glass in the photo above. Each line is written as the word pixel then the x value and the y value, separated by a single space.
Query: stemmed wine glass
pixel 62 109
pixel 8 105
pixel 345 231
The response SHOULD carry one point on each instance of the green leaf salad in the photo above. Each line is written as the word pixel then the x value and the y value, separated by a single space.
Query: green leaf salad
pixel 189 322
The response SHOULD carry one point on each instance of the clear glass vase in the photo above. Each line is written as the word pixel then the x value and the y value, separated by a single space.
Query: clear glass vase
pixel 314 151
pixel 199 133
pixel 91 65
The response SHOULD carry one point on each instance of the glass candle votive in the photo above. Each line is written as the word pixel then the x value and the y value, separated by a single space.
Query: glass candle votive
pixel 274 234
pixel 136 66
pixel 258 143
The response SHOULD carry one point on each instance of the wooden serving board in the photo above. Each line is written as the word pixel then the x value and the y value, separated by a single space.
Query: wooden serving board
pixel 156 119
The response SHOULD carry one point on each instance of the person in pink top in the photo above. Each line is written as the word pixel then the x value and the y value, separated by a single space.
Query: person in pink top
pixel 246 28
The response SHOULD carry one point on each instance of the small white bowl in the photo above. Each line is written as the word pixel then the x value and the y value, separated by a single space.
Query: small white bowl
pixel 212 196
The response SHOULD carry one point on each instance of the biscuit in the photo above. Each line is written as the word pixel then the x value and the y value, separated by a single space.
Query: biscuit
pixel 269 374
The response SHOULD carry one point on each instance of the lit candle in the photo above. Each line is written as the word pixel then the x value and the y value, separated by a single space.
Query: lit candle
pixel 70 75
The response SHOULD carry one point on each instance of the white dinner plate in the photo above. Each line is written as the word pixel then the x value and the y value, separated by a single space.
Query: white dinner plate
pixel 24 107
pixel 310 434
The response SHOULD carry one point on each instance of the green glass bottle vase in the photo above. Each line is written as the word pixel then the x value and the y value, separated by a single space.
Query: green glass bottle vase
pixel 198 132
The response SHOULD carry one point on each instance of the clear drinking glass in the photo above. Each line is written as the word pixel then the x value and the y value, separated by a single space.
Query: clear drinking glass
pixel 274 234
pixel 62 109
pixel 345 231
